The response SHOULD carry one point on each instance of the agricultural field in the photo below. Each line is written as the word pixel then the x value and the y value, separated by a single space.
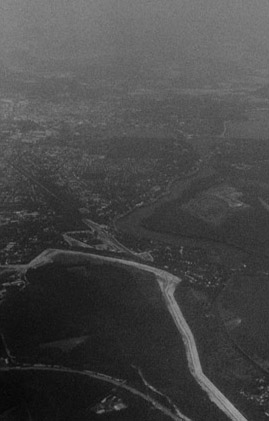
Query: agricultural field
pixel 101 318
pixel 243 307
pixel 255 127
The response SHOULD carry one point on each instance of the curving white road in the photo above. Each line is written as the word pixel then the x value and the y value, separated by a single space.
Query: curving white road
pixel 167 283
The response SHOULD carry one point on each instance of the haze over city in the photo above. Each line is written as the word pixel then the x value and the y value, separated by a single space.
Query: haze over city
pixel 134 210
pixel 158 30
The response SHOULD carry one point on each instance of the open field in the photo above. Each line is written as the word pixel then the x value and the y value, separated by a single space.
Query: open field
pixel 117 310
pixel 256 127
pixel 243 307
pixel 209 209
pixel 214 205
pixel 231 214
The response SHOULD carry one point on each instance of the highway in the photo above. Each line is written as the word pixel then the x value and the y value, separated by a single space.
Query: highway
pixel 167 283
pixel 195 367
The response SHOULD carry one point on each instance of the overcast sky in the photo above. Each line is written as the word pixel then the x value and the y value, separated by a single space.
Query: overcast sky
pixel 99 28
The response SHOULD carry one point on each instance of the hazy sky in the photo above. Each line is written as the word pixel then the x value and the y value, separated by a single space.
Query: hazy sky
pixel 96 28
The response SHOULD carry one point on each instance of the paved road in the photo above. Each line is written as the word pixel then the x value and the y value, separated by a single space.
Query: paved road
pixel 195 367
pixel 167 283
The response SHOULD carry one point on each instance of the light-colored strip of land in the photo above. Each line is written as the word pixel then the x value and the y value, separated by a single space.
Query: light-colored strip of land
pixel 167 283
